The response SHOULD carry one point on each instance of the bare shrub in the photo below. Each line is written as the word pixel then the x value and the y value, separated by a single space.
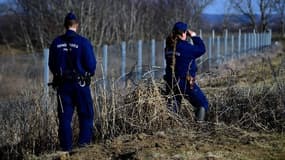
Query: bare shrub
pixel 134 110
pixel 28 126
pixel 251 97
pixel 255 108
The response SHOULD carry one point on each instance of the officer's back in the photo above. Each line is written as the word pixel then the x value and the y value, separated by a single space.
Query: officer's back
pixel 72 62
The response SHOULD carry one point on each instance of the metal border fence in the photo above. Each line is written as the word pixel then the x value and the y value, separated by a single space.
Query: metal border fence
pixel 146 58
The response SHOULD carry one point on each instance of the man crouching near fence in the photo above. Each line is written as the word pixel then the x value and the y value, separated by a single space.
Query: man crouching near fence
pixel 72 63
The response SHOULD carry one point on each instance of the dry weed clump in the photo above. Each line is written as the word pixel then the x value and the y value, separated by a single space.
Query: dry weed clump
pixel 140 109
pixel 251 96
pixel 147 108
pixel 254 108
pixel 27 125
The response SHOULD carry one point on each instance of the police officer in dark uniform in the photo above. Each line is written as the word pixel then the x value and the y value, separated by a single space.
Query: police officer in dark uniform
pixel 72 63
pixel 181 69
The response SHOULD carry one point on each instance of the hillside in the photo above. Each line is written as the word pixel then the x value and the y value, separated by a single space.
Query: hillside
pixel 246 120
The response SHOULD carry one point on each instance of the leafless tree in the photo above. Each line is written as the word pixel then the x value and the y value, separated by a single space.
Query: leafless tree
pixel 169 12
pixel 250 9
pixel 196 8
pixel 104 21
pixel 265 7
pixel 38 21
pixel 279 6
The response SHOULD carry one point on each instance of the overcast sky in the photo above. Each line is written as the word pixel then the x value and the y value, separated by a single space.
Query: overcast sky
pixel 217 7
pixel 222 7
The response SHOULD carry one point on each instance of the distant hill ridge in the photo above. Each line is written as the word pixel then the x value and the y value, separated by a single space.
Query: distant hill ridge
pixel 215 19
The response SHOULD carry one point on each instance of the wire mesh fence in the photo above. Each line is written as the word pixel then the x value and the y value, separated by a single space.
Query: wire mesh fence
pixel 136 60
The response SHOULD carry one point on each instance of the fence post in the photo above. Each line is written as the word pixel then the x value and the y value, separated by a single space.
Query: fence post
pixel 245 43
pixel 270 37
pixel 226 44
pixel 258 41
pixel 46 78
pixel 201 33
pixel 213 37
pixel 239 43
pixel 123 71
pixel 218 50
pixel 46 71
pixel 164 62
pixel 233 47
pixel 254 40
pixel 105 65
pixel 153 56
pixel 263 39
pixel 210 52
pixel 249 41
pixel 139 67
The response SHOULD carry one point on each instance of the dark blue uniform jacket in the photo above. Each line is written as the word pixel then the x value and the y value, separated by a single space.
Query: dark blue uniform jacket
pixel 185 56
pixel 81 59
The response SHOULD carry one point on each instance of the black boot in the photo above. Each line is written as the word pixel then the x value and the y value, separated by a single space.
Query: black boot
pixel 200 114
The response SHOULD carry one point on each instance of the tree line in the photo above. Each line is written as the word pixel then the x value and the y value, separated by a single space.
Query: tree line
pixel 102 21
pixel 34 23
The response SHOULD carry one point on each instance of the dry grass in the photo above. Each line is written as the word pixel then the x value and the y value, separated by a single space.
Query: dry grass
pixel 238 97
pixel 250 93
pixel 140 109
pixel 28 126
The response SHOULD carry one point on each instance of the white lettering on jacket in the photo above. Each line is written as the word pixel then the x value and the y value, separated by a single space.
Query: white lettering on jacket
pixel 61 45
pixel 73 45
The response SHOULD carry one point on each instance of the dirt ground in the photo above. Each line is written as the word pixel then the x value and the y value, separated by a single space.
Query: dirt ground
pixel 205 141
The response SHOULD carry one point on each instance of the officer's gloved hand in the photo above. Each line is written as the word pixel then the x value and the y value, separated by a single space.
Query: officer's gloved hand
pixel 57 80
pixel 191 33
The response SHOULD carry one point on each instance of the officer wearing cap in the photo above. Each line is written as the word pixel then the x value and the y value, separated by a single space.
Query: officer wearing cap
pixel 72 63
pixel 181 68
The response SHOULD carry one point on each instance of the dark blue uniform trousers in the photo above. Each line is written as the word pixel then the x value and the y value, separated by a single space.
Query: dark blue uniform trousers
pixel 195 96
pixel 71 95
